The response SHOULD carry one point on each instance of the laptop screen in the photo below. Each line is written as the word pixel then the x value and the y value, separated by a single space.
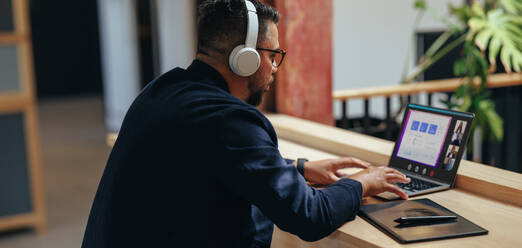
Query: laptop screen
pixel 432 142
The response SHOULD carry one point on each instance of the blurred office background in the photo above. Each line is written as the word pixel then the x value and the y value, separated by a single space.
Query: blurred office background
pixel 91 58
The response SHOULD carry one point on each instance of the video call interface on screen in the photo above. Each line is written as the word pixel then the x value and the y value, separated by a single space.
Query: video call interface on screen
pixel 424 140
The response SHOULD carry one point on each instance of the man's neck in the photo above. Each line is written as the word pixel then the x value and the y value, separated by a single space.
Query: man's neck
pixel 237 85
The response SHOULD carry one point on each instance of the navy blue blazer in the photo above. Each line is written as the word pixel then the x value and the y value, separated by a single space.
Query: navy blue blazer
pixel 194 166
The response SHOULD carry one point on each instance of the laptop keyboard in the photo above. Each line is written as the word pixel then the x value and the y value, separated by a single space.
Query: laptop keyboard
pixel 416 185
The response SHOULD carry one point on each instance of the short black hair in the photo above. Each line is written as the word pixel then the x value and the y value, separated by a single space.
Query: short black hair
pixel 222 24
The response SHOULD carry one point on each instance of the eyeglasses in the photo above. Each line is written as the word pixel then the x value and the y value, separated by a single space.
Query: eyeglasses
pixel 277 55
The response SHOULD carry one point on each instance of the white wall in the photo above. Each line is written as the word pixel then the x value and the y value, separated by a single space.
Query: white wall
pixel 177 33
pixel 119 49
pixel 119 53
pixel 370 43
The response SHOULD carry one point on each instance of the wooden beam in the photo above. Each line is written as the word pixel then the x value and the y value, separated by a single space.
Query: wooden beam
pixel 10 38
pixel 17 221
pixel 23 101
pixel 14 102
pixel 444 85
pixel 35 167
pixel 21 16
pixel 26 66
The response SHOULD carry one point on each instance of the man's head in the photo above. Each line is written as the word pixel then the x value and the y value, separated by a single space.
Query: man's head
pixel 222 25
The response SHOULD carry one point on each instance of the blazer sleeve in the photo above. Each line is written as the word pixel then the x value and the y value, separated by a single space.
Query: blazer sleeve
pixel 252 167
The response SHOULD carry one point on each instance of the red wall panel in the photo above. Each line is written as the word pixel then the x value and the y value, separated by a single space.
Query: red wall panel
pixel 304 81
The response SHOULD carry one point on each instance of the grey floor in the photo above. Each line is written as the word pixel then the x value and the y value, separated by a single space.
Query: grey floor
pixel 74 154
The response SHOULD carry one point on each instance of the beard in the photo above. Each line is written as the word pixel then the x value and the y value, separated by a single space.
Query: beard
pixel 256 92
pixel 255 97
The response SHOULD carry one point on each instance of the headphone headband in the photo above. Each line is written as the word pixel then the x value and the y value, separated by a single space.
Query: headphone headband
pixel 252 26
pixel 244 59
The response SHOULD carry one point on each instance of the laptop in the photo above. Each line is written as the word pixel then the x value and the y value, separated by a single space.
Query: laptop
pixel 429 149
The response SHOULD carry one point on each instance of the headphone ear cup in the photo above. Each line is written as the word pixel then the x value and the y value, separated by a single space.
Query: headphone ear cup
pixel 244 61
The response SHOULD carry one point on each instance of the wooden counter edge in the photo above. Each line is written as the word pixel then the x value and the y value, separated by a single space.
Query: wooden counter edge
pixel 487 181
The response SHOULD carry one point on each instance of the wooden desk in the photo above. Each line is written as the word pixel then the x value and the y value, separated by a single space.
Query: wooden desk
pixel 490 197
pixel 503 221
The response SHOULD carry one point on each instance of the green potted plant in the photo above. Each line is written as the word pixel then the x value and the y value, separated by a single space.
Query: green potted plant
pixel 486 31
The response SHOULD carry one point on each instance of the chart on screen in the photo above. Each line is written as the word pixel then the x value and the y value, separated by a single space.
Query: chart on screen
pixel 423 137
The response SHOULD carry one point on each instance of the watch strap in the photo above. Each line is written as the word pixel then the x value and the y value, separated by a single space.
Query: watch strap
pixel 300 165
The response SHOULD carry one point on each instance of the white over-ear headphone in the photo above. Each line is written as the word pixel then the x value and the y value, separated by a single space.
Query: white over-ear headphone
pixel 244 60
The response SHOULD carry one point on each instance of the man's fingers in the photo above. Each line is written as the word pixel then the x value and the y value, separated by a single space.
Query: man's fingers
pixel 394 177
pixel 351 163
pixel 400 174
pixel 399 180
pixel 394 171
pixel 396 190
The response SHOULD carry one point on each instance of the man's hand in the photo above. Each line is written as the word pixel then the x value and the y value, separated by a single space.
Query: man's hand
pixel 325 172
pixel 376 180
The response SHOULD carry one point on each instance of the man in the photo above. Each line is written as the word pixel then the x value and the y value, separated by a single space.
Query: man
pixel 197 165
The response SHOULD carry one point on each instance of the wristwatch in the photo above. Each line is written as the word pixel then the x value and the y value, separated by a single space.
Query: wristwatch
pixel 300 165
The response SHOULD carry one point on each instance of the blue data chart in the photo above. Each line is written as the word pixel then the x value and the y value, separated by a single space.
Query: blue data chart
pixel 415 125
pixel 423 127
pixel 432 129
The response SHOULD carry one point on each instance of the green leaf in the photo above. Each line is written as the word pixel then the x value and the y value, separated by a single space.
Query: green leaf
pixel 480 118
pixel 477 10
pixel 505 57
pixel 510 26
pixel 482 38
pixel 516 19
pixel 462 90
pixel 438 43
pixel 512 6
pixel 517 63
pixel 420 4
pixel 481 67
pixel 500 32
pixel 496 125
pixel 493 120
pixel 466 103
pixel 476 24
pixel 494 47
pixel 463 13
pixel 459 68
